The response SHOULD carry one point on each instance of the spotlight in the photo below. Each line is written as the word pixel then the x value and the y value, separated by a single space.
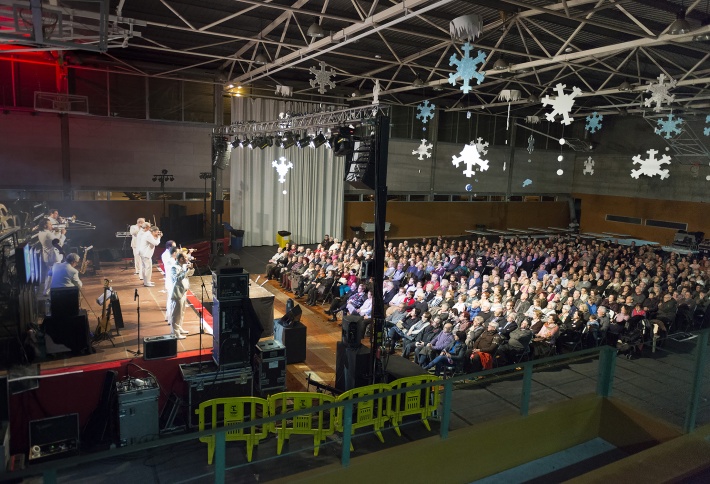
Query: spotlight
pixel 344 141
pixel 236 143
pixel 250 144
pixel 155 179
pixel 318 141
pixel 303 142
pixel 330 142
pixel 265 142
pixel 244 142
pixel 287 141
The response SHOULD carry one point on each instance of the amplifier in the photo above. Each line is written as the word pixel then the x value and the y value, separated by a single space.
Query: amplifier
pixel 270 366
pixel 205 381
pixel 54 437
pixel 157 347
pixel 137 410
pixel 230 284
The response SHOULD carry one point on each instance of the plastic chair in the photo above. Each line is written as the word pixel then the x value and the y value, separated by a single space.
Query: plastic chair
pixel 319 424
pixel 423 403
pixel 372 413
pixel 233 410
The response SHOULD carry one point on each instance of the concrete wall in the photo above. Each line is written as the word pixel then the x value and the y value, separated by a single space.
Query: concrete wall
pixel 103 152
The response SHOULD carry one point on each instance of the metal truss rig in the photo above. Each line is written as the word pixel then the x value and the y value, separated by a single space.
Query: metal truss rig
pixel 325 119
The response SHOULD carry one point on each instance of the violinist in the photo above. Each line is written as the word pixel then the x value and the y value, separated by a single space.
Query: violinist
pixel 52 252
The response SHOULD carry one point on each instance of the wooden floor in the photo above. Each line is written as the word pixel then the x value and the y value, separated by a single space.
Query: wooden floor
pixel 323 335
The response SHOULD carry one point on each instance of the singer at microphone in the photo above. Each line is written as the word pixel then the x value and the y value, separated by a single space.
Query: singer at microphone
pixel 135 295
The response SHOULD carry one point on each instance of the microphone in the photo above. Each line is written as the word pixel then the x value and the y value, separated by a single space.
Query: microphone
pixel 135 295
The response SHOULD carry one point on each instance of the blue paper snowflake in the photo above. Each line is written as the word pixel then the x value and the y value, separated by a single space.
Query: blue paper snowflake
pixel 467 67
pixel 707 130
pixel 426 111
pixel 594 122
pixel 527 182
pixel 668 127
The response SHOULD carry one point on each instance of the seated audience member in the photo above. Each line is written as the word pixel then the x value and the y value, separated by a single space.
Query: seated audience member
pixel 475 331
pixel 441 341
pixel 339 304
pixel 422 338
pixel 517 344
pixel 273 263
pixel 414 330
pixel 453 355
pixel 485 347
pixel 544 340
pixel 400 329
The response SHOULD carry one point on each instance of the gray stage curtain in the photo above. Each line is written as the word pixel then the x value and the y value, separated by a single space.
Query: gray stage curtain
pixel 309 204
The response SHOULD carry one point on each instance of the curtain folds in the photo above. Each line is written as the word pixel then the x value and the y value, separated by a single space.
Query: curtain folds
pixel 309 204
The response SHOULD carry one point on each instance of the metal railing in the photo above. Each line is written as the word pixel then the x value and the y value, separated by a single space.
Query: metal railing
pixel 605 379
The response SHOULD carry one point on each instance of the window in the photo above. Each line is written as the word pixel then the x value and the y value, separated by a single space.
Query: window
pixel 127 96
pixel 441 198
pixel 623 219
pixel 418 198
pixel 396 198
pixel 667 225
pixel 497 198
pixel 165 97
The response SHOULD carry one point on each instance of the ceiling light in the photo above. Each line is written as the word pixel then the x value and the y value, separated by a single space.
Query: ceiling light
pixel 318 141
pixel 356 93
pixel 265 142
pixel 244 142
pixel 625 86
pixel 315 31
pixel 260 59
pixel 418 81
pixel 500 64
pixel 705 37
pixel 378 56
pixel 679 25
pixel 330 142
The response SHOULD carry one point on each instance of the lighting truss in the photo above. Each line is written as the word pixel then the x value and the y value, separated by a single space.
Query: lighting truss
pixel 323 120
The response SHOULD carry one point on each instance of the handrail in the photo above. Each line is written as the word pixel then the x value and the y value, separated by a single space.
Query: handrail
pixel 606 369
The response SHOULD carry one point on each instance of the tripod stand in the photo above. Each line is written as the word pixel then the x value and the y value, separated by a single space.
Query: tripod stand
pixel 136 297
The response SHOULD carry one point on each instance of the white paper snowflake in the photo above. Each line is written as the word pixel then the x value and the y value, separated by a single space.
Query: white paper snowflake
pixel 466 67
pixel 562 103
pixel 594 122
pixel 532 119
pixel 588 166
pixel 426 111
pixel 471 158
pixel 531 144
pixel 322 79
pixel 659 93
pixel 527 182
pixel 482 147
pixel 706 131
pixel 423 150
pixel 376 92
pixel 669 126
pixel 282 166
pixel 651 166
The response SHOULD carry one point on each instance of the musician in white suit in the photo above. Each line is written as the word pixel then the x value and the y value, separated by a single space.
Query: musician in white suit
pixel 135 231
pixel 147 242
pixel 50 251
pixel 180 270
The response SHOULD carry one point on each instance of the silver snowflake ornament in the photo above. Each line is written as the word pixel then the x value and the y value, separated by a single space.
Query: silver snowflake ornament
pixel 482 147
pixel 562 103
pixel 531 144
pixel 426 111
pixel 467 68
pixel 423 150
pixel 323 78
pixel 588 166
pixel 651 166
pixel 706 131
pixel 471 158
pixel 669 126
pixel 282 166
pixel 594 122
pixel 659 93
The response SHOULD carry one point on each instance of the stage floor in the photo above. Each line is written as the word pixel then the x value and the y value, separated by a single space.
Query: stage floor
pixel 322 337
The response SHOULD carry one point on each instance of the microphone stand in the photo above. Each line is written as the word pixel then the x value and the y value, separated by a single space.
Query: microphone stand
pixel 202 311
pixel 137 297
pixel 123 248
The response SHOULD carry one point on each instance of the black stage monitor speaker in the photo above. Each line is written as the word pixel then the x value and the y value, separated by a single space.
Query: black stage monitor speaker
pixel 352 367
pixel 65 302
pixel 158 347
pixel 292 317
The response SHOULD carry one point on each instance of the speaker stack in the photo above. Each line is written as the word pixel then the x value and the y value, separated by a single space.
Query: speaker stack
pixel 231 328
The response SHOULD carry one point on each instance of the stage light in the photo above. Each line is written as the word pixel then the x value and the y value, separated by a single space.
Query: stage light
pixel 287 141
pixel 265 142
pixel 330 142
pixel 244 142
pixel 318 141
pixel 251 144
pixel 303 142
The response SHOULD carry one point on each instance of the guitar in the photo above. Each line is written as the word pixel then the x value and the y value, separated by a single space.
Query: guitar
pixel 84 261
pixel 103 325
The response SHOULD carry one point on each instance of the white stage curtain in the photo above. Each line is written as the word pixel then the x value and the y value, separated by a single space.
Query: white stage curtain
pixel 312 204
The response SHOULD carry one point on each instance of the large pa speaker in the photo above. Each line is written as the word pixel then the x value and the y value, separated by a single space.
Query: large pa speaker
pixel 352 367
pixel 65 302
pixel 230 331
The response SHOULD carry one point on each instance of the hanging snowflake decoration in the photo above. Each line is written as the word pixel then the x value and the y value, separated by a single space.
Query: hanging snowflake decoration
pixel 659 93
pixel 426 111
pixel 532 119
pixel 471 158
pixel 323 78
pixel 527 182
pixel 466 68
pixel 531 144
pixel 482 147
pixel 423 150
pixel 562 103
pixel 668 127
pixel 560 172
pixel 282 166
pixel 651 166
pixel 588 166
pixel 706 131
pixel 376 92
pixel 594 122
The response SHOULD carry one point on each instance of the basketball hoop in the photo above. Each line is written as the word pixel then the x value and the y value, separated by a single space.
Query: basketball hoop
pixel 695 170
pixel 49 21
